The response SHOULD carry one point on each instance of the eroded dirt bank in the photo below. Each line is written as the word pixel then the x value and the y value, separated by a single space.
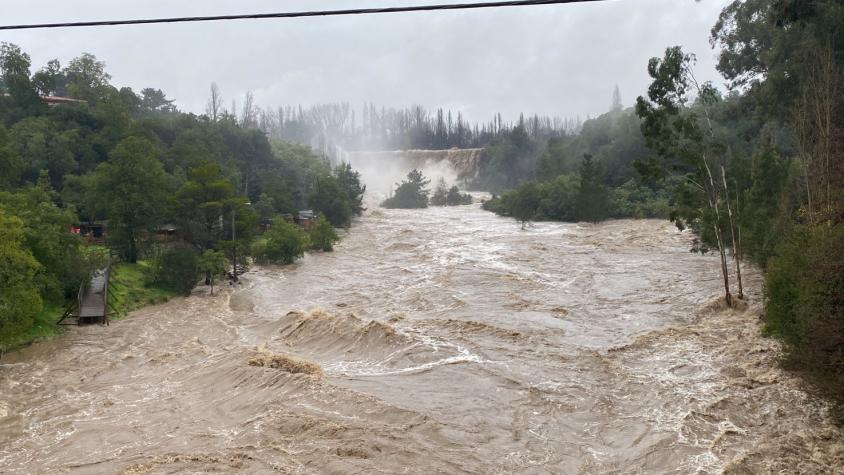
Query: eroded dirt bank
pixel 439 340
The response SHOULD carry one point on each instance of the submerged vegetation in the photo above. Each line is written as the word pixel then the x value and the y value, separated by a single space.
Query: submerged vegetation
pixel 177 193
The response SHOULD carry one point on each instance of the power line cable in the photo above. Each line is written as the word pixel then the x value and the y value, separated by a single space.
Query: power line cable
pixel 319 13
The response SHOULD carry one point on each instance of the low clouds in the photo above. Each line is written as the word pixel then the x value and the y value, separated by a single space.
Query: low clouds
pixel 558 60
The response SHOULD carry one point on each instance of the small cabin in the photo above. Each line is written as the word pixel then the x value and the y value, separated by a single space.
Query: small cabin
pixel 90 231
pixel 166 232
pixel 306 219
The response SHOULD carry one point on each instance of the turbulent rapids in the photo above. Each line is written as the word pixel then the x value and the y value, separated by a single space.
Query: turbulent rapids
pixel 442 340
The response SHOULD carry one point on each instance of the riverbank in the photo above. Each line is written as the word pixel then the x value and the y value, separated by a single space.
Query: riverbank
pixel 131 289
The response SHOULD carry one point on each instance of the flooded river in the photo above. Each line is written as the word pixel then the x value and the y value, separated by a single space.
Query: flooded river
pixel 449 341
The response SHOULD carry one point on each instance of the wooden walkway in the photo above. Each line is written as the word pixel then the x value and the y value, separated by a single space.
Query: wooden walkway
pixel 91 304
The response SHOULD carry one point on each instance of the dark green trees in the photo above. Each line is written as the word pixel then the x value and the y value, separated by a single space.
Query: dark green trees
pixel 445 196
pixel 131 190
pixel 282 244
pixel 322 235
pixel 410 193
pixel 592 202
pixel 19 297
pixel 684 136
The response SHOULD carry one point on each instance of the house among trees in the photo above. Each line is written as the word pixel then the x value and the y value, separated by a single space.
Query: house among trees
pixel 54 101
pixel 305 219
pixel 166 232
pixel 91 231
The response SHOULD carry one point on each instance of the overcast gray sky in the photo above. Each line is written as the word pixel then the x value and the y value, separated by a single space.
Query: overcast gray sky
pixel 559 60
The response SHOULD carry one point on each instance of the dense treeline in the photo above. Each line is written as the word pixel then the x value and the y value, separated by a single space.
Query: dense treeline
pixel 331 128
pixel 136 164
pixel 589 176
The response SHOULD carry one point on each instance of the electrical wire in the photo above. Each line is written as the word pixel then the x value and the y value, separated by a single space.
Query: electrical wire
pixel 319 13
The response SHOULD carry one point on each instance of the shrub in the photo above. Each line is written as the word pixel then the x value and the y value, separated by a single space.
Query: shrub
pixel 322 235
pixel 282 244
pixel 178 269
pixel 804 297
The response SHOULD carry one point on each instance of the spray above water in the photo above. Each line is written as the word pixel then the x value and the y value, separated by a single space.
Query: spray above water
pixel 381 170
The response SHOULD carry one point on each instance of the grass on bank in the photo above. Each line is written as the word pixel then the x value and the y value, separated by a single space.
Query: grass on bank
pixel 132 288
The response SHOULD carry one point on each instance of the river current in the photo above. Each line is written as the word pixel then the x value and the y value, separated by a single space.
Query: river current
pixel 449 340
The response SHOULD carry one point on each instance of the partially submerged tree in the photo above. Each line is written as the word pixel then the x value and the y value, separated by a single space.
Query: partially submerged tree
pixel 322 234
pixel 681 136
pixel 212 263
pixel 410 193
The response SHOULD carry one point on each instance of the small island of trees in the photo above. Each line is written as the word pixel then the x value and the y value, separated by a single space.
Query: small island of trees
pixel 413 193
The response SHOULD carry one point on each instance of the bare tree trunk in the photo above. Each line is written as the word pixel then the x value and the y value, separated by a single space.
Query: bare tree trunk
pixel 713 203
pixel 802 130
pixel 713 198
pixel 215 103
pixel 733 232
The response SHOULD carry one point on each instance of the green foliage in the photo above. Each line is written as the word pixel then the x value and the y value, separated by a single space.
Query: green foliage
pixel 410 193
pixel 282 244
pixel 178 269
pixel 132 163
pixel 322 235
pixel 132 190
pixel 202 199
pixel 804 296
pixel 349 182
pixel 592 202
pixel 212 263
pixel 445 196
pixel 329 199
pixel 19 297
pixel 507 160
pixel 46 230
pixel 455 198
pixel 133 286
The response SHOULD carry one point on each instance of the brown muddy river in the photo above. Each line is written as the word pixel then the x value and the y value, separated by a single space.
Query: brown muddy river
pixel 450 341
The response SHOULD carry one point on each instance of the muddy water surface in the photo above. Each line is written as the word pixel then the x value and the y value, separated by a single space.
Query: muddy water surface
pixel 450 341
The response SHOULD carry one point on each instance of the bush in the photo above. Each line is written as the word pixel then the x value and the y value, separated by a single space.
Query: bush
pixel 804 297
pixel 19 298
pixel 411 193
pixel 322 235
pixel 282 244
pixel 178 269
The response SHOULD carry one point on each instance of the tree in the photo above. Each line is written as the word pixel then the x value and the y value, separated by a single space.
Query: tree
pixel 212 263
pixel 348 180
pixel 616 100
pixel 524 203
pixel 154 100
pixel 332 201
pixel 282 244
pixel 455 198
pixel 440 196
pixel 86 78
pixel 50 80
pixel 19 298
pixel 410 193
pixel 131 189
pixel 674 130
pixel 202 199
pixel 179 269
pixel 592 202
pixel 214 108
pixel 14 80
pixel 322 235
pixel 45 228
